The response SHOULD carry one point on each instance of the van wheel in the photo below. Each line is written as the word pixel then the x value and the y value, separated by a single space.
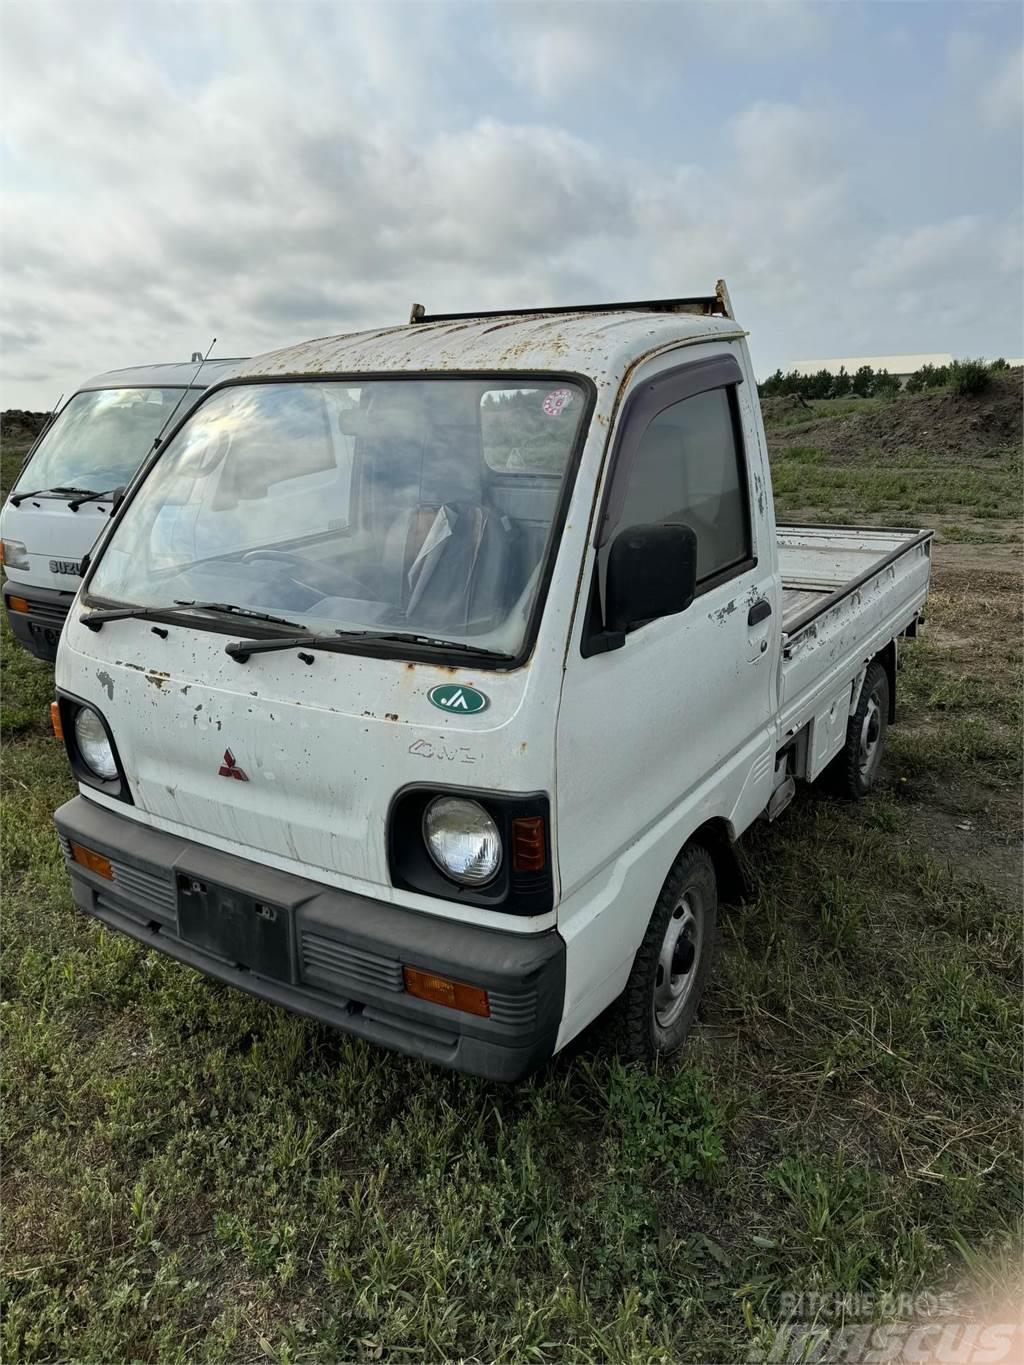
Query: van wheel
pixel 655 1012
pixel 854 771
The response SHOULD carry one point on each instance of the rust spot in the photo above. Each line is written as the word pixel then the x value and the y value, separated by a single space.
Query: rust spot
pixel 390 715
pixel 157 679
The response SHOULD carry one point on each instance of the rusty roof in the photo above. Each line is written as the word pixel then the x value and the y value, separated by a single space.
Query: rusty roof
pixel 602 345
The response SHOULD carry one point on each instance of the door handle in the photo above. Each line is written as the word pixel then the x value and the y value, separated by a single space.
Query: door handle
pixel 760 611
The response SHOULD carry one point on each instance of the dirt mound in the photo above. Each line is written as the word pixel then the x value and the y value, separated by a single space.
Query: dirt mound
pixel 18 425
pixel 937 421
pixel 775 409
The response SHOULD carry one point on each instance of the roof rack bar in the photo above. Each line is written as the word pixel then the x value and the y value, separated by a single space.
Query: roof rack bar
pixel 716 304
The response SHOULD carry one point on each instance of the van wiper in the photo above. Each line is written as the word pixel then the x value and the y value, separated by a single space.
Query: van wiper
pixel 18 498
pixel 95 619
pixel 112 493
pixel 241 649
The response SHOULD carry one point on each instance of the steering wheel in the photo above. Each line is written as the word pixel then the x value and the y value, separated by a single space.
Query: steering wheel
pixel 351 587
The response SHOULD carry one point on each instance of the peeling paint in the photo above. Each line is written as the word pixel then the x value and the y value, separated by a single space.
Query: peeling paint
pixel 106 682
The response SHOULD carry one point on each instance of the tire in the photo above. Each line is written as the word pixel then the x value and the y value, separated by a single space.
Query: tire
pixel 655 1012
pixel 854 771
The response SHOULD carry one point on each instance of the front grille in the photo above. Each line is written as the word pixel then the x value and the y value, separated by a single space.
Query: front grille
pixel 513 1009
pixel 342 967
pixel 47 613
pixel 153 896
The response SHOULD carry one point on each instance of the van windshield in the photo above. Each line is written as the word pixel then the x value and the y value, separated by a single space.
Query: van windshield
pixel 419 506
pixel 100 439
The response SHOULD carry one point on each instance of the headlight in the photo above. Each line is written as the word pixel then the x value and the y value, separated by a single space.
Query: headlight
pixel 93 744
pixel 462 839
pixel 15 555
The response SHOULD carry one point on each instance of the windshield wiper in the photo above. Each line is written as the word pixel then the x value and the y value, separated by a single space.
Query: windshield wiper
pixel 241 649
pixel 95 619
pixel 112 493
pixel 18 498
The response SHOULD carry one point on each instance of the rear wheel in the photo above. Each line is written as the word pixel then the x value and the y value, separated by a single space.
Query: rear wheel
pixel 855 770
pixel 656 1011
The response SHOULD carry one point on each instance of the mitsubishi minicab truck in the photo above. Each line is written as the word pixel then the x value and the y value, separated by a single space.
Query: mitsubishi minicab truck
pixel 72 477
pixel 426 679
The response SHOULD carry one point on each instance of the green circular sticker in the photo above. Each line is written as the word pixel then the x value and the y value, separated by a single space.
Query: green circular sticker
pixel 457 698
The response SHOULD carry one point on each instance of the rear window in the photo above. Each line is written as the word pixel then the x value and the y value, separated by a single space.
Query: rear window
pixel 525 430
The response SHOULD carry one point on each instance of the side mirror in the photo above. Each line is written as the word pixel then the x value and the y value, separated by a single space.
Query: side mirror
pixel 652 572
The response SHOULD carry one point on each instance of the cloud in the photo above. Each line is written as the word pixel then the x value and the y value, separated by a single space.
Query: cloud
pixel 559 48
pixel 1002 99
pixel 269 173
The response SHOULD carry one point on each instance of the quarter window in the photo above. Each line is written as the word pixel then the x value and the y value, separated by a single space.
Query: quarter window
pixel 689 468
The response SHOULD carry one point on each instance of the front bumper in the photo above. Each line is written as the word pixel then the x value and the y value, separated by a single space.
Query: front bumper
pixel 39 628
pixel 346 951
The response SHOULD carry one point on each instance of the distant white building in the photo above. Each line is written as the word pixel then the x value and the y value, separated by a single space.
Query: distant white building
pixel 902 366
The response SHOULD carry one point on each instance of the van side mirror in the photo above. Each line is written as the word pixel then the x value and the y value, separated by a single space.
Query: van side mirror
pixel 652 572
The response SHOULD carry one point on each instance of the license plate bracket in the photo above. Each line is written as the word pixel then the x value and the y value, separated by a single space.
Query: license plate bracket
pixel 249 933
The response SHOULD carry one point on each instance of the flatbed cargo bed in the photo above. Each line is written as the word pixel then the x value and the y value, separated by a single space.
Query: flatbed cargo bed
pixel 822 564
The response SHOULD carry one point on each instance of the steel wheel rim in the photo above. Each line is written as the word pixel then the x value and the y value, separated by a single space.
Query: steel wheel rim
pixel 870 736
pixel 678 961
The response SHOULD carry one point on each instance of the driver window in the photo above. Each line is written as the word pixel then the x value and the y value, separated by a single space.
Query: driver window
pixel 689 468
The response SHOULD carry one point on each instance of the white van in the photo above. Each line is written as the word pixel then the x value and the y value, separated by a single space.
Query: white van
pixel 70 480
pixel 425 681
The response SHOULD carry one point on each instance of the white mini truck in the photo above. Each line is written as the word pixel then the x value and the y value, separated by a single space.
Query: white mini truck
pixel 425 681
pixel 71 480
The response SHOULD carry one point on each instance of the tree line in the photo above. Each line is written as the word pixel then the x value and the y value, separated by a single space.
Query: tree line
pixel 963 376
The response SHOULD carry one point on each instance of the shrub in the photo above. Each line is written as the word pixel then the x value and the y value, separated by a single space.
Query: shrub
pixel 885 384
pixel 969 377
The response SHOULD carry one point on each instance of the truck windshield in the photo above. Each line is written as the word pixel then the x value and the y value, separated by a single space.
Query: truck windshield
pixel 419 506
pixel 100 439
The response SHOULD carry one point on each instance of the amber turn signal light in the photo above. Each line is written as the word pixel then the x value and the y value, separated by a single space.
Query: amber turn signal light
pixel 455 994
pixel 58 729
pixel 18 604
pixel 95 862
pixel 528 852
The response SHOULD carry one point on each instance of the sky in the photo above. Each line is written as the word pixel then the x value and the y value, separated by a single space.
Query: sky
pixel 269 173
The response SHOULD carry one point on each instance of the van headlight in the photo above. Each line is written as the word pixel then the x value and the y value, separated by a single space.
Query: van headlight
pixel 14 555
pixel 93 745
pixel 462 839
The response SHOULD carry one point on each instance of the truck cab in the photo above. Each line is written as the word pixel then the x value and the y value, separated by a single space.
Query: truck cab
pixel 71 478
pixel 425 682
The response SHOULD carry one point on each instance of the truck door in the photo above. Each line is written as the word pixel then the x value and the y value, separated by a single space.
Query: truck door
pixel 672 727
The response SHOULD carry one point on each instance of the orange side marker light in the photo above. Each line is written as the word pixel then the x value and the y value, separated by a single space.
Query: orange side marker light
pixel 456 995
pixel 95 862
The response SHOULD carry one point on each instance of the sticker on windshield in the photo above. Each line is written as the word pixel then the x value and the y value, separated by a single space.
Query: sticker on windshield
pixel 557 401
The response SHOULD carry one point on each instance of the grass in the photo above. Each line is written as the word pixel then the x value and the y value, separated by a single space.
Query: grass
pixel 192 1175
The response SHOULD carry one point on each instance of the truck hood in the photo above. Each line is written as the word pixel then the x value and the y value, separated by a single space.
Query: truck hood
pixel 297 761
pixel 54 537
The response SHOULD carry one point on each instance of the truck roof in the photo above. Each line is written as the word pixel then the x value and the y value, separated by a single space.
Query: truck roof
pixel 602 343
pixel 173 374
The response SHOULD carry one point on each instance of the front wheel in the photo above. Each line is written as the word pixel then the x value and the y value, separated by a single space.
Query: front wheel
pixel 656 1011
pixel 855 770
